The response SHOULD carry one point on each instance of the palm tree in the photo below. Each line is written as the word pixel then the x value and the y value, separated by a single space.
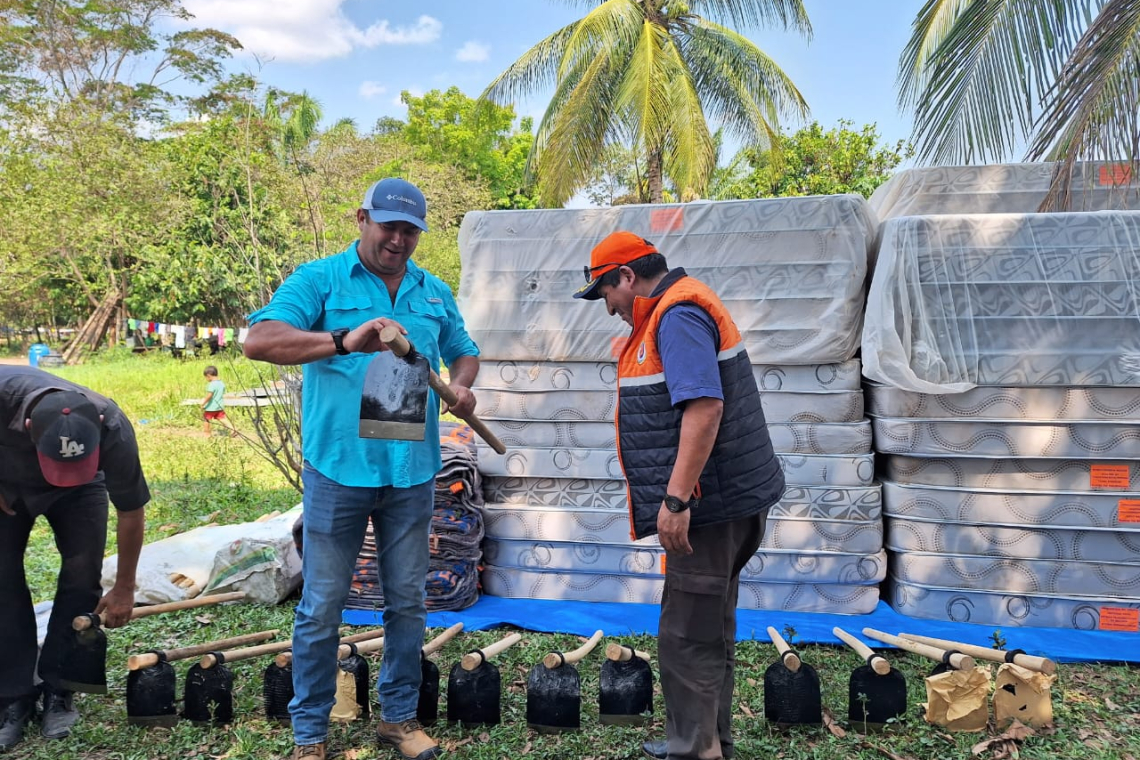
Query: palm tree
pixel 1061 76
pixel 651 73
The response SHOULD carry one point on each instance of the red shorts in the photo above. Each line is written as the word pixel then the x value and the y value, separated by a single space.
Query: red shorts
pixel 218 415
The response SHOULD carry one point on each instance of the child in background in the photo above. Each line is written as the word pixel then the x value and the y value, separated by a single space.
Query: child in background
pixel 214 406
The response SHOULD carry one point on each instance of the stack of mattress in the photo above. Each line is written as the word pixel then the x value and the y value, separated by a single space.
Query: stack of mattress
pixel 792 273
pixel 1004 351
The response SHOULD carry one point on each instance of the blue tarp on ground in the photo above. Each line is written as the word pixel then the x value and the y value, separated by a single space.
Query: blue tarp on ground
pixel 583 618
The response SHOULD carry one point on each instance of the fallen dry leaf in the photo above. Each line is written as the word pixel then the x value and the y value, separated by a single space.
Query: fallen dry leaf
pixel 746 710
pixel 204 619
pixel 835 729
pixel 526 748
pixel 168 526
pixel 1005 745
pixel 1110 704
pixel 751 681
pixel 884 751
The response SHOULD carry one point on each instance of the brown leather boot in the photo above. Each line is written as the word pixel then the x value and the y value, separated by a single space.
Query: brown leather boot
pixel 407 738
pixel 309 751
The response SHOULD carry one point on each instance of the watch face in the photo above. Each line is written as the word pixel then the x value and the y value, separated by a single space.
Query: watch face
pixel 673 504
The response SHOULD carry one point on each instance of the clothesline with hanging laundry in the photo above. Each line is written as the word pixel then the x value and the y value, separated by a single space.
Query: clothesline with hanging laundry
pixel 180 333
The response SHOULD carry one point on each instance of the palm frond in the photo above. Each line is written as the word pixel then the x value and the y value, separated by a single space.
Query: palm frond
pixel 575 129
pixel 741 88
pixel 689 154
pixel 930 29
pixel 613 25
pixel 536 70
pixel 745 14
pixel 987 74
pixel 1093 110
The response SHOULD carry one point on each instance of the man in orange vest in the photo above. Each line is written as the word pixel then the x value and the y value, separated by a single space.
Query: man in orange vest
pixel 700 473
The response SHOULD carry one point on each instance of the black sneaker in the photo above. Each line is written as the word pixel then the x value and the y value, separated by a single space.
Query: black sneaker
pixel 59 713
pixel 16 717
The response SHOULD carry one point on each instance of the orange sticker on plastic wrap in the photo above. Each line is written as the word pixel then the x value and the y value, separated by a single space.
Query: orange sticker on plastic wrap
pixel 662 564
pixel 1128 511
pixel 1114 476
pixel 1115 174
pixel 617 345
pixel 666 219
pixel 1119 619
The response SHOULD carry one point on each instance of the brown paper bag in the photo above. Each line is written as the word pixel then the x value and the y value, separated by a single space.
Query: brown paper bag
pixel 959 699
pixel 1022 694
pixel 346 709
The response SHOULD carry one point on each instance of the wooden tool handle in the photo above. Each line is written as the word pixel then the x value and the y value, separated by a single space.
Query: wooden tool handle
pixel 367 647
pixel 558 659
pixel 366 636
pixel 210 660
pixel 284 660
pixel 149 659
pixel 619 653
pixel 472 660
pixel 877 663
pixel 400 347
pixel 439 641
pixel 1040 664
pixel 83 622
pixel 957 661
pixel 791 659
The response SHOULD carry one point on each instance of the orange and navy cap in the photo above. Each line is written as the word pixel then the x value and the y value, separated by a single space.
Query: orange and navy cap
pixel 67 431
pixel 617 250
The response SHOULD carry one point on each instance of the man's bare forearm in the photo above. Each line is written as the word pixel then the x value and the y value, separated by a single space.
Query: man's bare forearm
pixel 281 343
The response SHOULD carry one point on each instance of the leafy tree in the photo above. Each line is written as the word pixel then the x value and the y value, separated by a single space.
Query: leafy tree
pixel 476 136
pixel 814 162
pixel 108 53
pixel 985 76
pixel 651 74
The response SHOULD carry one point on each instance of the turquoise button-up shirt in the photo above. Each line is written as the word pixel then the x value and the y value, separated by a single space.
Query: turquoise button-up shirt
pixel 339 291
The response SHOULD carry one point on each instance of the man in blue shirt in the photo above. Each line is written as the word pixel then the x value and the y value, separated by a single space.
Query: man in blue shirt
pixel 328 316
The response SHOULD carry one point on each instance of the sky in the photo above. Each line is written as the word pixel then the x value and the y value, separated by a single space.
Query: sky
pixel 356 56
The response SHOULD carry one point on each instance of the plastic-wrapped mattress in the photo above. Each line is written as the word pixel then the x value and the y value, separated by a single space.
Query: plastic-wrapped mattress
pixel 767 565
pixel 790 270
pixel 602 464
pixel 1002 188
pixel 1008 609
pixel 1014 474
pixel 646 589
pixel 958 301
pixel 993 403
pixel 1062 439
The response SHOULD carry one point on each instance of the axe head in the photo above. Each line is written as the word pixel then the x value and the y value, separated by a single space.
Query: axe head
pixel 553 699
pixel 874 700
pixel 84 661
pixel 151 693
pixel 427 709
pixel 209 695
pixel 473 696
pixel 393 402
pixel 278 692
pixel 625 692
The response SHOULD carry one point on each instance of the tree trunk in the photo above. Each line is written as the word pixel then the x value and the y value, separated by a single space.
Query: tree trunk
pixel 654 177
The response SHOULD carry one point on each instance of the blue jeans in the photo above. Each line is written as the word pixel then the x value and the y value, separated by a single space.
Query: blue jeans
pixel 336 518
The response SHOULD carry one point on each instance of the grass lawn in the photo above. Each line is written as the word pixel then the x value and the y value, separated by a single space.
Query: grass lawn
pixel 197 479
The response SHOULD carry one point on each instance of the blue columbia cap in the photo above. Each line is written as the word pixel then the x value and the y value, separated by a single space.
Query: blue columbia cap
pixel 396 200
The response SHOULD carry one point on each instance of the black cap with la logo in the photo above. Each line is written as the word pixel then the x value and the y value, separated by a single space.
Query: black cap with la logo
pixel 67 431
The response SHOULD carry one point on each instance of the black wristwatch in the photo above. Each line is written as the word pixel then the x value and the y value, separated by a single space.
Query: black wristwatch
pixel 673 504
pixel 338 340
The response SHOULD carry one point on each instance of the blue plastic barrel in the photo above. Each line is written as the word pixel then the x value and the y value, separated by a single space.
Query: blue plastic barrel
pixel 37 351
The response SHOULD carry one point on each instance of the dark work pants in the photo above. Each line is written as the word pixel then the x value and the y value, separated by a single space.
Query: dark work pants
pixel 78 520
pixel 696 639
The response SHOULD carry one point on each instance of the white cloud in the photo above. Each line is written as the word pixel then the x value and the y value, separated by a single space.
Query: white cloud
pixel 473 51
pixel 304 30
pixel 369 90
